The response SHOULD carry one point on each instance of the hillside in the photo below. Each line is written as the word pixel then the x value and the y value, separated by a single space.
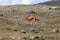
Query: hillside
pixel 14 26
pixel 53 3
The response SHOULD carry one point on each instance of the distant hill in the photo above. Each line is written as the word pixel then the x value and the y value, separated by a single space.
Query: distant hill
pixel 50 3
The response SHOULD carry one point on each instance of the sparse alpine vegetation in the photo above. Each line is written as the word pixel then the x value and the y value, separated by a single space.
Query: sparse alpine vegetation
pixel 14 26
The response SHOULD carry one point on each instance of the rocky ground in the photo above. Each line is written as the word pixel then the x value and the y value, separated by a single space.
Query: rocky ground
pixel 14 26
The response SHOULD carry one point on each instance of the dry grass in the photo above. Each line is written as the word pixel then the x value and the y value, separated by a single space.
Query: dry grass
pixel 12 22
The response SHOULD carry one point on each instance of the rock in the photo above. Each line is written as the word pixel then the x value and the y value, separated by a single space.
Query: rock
pixel 22 38
pixel 31 37
pixel 15 30
pixel 8 28
pixel 55 30
pixel 34 38
pixel 33 30
pixel 30 11
pixel 23 31
pixel 1 14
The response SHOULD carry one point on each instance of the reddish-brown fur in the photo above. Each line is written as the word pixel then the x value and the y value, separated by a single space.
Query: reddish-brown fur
pixel 31 18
